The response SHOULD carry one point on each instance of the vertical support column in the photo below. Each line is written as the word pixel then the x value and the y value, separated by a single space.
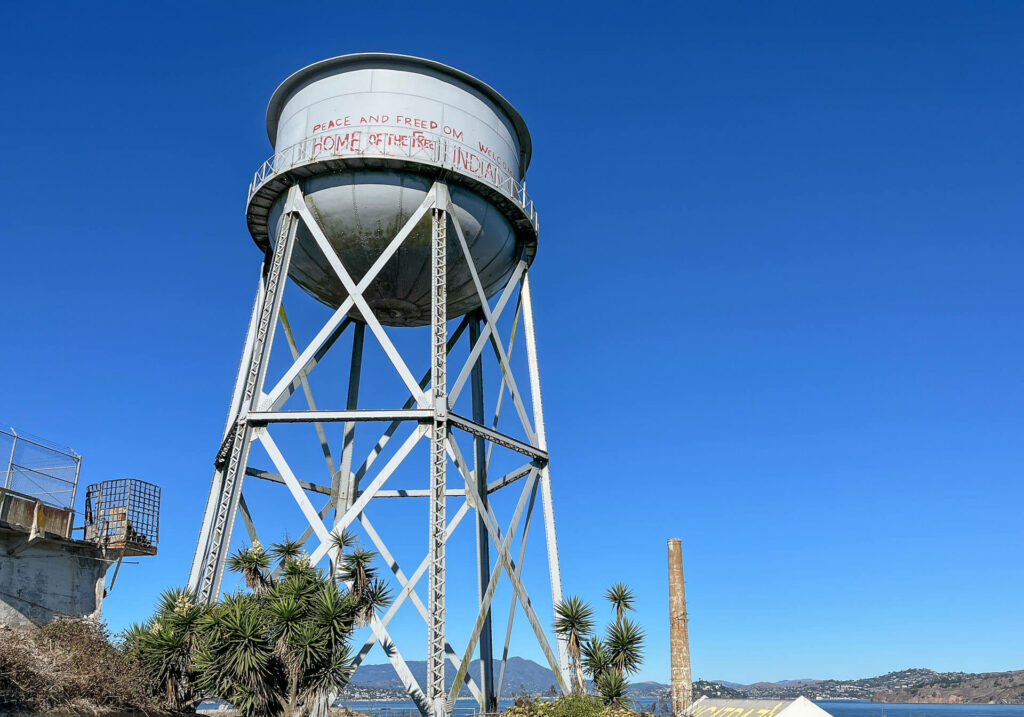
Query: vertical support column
pixel 202 543
pixel 679 635
pixel 550 537
pixel 483 556
pixel 9 481
pixel 348 485
pixel 74 488
pixel 232 465
pixel 436 697
pixel 343 489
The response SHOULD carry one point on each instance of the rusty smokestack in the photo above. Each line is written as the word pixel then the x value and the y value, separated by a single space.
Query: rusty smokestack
pixel 679 633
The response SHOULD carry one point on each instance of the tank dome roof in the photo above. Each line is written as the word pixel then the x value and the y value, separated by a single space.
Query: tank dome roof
pixel 386 60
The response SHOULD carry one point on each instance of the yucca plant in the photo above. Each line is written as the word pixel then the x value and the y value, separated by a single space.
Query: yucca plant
pixel 574 620
pixel 285 550
pixel 624 641
pixel 607 660
pixel 280 648
pixel 612 689
pixel 621 597
pixel 253 564
pixel 596 660
pixel 166 643
pixel 358 572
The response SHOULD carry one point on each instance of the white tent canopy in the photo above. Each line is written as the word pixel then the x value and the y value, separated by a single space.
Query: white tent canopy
pixel 800 707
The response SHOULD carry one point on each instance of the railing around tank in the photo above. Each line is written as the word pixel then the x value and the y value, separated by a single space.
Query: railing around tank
pixel 398 143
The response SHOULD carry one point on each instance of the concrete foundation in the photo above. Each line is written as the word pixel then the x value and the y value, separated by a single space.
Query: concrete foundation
pixel 46 576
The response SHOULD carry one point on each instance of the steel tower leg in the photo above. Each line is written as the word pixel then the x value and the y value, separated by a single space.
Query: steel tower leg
pixel 196 572
pixel 349 483
pixel 345 483
pixel 234 453
pixel 438 461
pixel 483 555
pixel 545 474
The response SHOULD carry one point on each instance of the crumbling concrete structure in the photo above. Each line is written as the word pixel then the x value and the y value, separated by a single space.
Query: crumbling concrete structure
pixel 44 574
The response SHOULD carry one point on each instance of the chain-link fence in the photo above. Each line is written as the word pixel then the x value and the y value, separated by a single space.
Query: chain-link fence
pixel 35 467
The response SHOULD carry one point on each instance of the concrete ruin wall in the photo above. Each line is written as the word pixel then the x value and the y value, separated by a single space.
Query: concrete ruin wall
pixel 49 578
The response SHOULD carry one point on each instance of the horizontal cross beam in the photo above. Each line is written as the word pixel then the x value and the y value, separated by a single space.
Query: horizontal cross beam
pixel 497 437
pixel 264 417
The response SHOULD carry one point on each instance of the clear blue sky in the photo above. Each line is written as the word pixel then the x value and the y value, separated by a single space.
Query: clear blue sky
pixel 778 291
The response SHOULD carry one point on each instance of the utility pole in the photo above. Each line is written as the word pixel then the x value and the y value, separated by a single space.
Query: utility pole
pixel 682 682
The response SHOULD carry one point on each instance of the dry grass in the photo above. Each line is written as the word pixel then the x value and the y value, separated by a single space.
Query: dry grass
pixel 69 666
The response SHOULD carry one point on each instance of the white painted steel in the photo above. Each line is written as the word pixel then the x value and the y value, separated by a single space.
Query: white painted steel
pixel 547 503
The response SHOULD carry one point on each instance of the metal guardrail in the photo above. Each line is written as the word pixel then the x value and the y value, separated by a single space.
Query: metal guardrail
pixel 383 141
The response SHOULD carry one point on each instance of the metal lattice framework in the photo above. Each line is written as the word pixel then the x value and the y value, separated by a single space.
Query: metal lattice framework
pixel 255 409
pixel 123 514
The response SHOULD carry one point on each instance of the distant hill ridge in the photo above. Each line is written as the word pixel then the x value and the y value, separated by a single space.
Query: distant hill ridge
pixel 912 685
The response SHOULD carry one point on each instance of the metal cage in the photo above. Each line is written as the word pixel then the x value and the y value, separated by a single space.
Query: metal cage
pixel 123 514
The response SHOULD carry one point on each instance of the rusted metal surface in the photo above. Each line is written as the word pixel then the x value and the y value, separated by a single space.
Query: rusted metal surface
pixel 682 682
pixel 123 515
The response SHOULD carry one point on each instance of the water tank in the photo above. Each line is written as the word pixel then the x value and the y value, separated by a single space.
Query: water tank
pixel 366 135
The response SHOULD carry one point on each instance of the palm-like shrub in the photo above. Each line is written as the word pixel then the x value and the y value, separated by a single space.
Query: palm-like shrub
pixel 253 564
pixel 165 645
pixel 625 642
pixel 621 597
pixel 596 659
pixel 280 648
pixel 608 661
pixel 611 687
pixel 574 620
pixel 286 550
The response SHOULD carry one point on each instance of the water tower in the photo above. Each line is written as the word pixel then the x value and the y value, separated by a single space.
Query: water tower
pixel 396 198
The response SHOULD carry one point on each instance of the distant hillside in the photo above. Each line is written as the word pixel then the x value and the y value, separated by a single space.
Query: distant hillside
pixel 715 690
pixel 726 683
pixel 1001 688
pixel 913 685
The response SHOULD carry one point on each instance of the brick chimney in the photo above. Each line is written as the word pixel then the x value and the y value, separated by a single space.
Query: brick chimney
pixel 682 682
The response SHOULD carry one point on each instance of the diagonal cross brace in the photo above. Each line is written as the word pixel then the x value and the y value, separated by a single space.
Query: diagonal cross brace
pixel 277 396
pixel 380 633
pixel 474 353
pixel 417 602
pixel 422 568
pixel 356 294
pixel 360 503
pixel 492 583
pixel 519 571
pixel 506 561
pixel 491 332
